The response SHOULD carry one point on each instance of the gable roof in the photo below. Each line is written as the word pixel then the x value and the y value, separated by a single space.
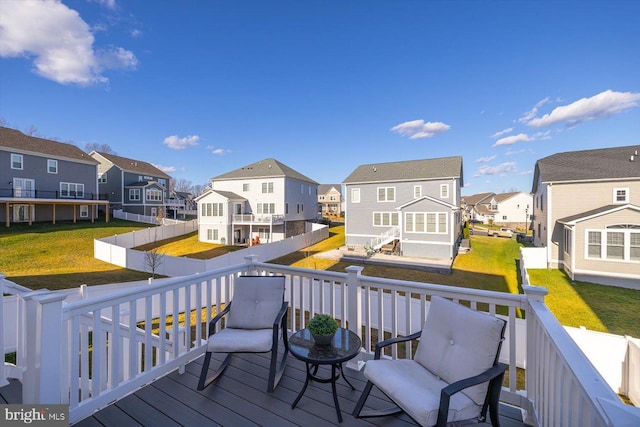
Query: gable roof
pixel 14 139
pixel 267 168
pixel 431 199
pixel 504 196
pixel 409 170
pixel 325 188
pixel 474 199
pixel 586 165
pixel 229 195
pixel 603 210
pixel 134 166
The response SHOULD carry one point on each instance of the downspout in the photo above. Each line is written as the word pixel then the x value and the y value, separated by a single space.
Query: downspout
pixel 573 252
pixel 549 228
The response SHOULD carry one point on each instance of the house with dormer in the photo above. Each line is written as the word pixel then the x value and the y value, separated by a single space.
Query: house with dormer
pixel 414 205
pixel 135 186
pixel 330 200
pixel 586 213
pixel 45 180
pixel 262 202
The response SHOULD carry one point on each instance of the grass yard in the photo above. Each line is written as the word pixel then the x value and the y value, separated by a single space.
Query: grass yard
pixel 60 256
pixel 189 246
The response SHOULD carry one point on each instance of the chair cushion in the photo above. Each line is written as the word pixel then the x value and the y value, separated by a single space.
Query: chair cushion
pixel 417 391
pixel 230 340
pixel 256 302
pixel 458 342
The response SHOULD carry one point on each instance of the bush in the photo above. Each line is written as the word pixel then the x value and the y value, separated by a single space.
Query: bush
pixel 322 324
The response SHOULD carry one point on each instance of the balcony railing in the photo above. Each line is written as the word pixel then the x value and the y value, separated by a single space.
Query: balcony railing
pixel 90 352
pixel 258 219
pixel 13 193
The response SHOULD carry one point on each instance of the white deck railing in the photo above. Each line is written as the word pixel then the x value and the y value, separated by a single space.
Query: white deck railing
pixel 258 219
pixel 386 237
pixel 89 353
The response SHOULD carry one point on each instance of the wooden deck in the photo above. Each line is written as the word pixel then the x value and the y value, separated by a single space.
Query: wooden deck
pixel 239 398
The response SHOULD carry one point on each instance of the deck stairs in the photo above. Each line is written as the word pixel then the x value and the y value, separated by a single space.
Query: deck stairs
pixel 387 237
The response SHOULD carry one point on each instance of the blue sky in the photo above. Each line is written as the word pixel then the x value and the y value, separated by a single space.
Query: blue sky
pixel 200 88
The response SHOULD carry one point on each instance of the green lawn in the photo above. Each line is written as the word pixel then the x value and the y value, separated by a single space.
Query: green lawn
pixel 60 256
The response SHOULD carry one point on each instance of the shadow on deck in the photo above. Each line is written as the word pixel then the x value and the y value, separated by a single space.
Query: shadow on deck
pixel 239 398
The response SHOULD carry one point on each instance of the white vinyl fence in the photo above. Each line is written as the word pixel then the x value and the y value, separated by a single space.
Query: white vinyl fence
pixel 145 219
pixel 117 250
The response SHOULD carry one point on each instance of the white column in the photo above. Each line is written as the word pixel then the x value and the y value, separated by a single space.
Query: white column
pixel 354 307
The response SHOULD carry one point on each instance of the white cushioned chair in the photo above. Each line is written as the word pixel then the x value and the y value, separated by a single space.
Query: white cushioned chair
pixel 455 374
pixel 255 320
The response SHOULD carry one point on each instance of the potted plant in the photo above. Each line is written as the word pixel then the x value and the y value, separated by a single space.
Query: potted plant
pixel 322 327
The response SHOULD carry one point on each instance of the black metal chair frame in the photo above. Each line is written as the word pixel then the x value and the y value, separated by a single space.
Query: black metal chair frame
pixel 494 375
pixel 276 369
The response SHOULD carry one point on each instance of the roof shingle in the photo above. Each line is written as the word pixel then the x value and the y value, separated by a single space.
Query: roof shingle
pixel 14 139
pixel 410 170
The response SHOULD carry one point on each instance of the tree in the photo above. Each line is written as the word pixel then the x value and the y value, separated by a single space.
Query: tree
pixel 182 185
pixel 198 189
pixel 102 148
pixel 31 130
pixel 153 259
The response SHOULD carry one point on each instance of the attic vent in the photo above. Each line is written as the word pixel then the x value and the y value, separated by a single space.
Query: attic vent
pixel 632 158
pixel 374 169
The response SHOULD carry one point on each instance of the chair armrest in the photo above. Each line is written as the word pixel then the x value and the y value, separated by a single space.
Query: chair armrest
pixel 390 341
pixel 216 319
pixel 445 394
pixel 487 375
pixel 281 313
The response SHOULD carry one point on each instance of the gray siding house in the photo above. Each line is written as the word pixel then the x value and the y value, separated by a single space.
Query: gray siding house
pixel 132 185
pixel 44 180
pixel 413 204
pixel 262 202
pixel 586 207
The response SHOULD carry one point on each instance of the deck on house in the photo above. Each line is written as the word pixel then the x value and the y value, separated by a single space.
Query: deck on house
pixel 239 398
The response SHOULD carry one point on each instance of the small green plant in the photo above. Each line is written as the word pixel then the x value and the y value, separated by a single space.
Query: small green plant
pixel 322 324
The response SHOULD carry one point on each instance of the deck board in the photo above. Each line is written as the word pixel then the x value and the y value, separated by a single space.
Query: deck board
pixel 239 398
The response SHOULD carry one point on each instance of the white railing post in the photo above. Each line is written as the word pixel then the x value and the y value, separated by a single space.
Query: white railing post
pixel 533 293
pixel 3 377
pixel 354 307
pixel 251 264
pixel 42 346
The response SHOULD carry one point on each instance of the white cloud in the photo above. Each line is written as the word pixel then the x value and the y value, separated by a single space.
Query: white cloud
pixel 485 159
pixel 177 143
pixel 502 132
pixel 599 106
pixel 165 169
pixel 59 42
pixel 532 113
pixel 217 151
pixel 527 172
pixel 502 169
pixel 111 4
pixel 510 152
pixel 508 140
pixel 135 33
pixel 418 129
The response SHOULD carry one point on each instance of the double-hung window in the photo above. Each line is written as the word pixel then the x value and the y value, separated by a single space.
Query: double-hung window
pixel 385 219
pixel 71 190
pixel 154 195
pixel 134 194
pixel 614 243
pixel 52 166
pixel 386 194
pixel 355 195
pixel 620 195
pixel 444 191
pixel 17 161
pixel 267 187
pixel 425 222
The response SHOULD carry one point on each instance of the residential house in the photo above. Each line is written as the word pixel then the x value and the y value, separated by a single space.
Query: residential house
pixel 512 210
pixel 262 202
pixel 132 185
pixel 44 180
pixel 181 204
pixel 586 207
pixel 415 202
pixel 330 199
pixel 476 207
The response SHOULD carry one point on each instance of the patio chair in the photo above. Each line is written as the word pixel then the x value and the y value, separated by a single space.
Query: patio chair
pixel 454 375
pixel 255 320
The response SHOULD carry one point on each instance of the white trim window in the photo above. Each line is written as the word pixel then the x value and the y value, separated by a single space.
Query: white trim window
pixel 267 187
pixel 444 191
pixel 385 219
pixel 620 195
pixel 266 208
pixel 417 191
pixel 264 234
pixel 245 187
pixel 17 161
pixel 567 240
pixel 84 211
pixel 134 194
pixel 386 194
pixel 153 195
pixel 425 222
pixel 52 166
pixel 355 195
pixel 71 190
pixel 102 178
pixel 211 209
pixel 615 243
pixel 212 234
pixel 321 197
